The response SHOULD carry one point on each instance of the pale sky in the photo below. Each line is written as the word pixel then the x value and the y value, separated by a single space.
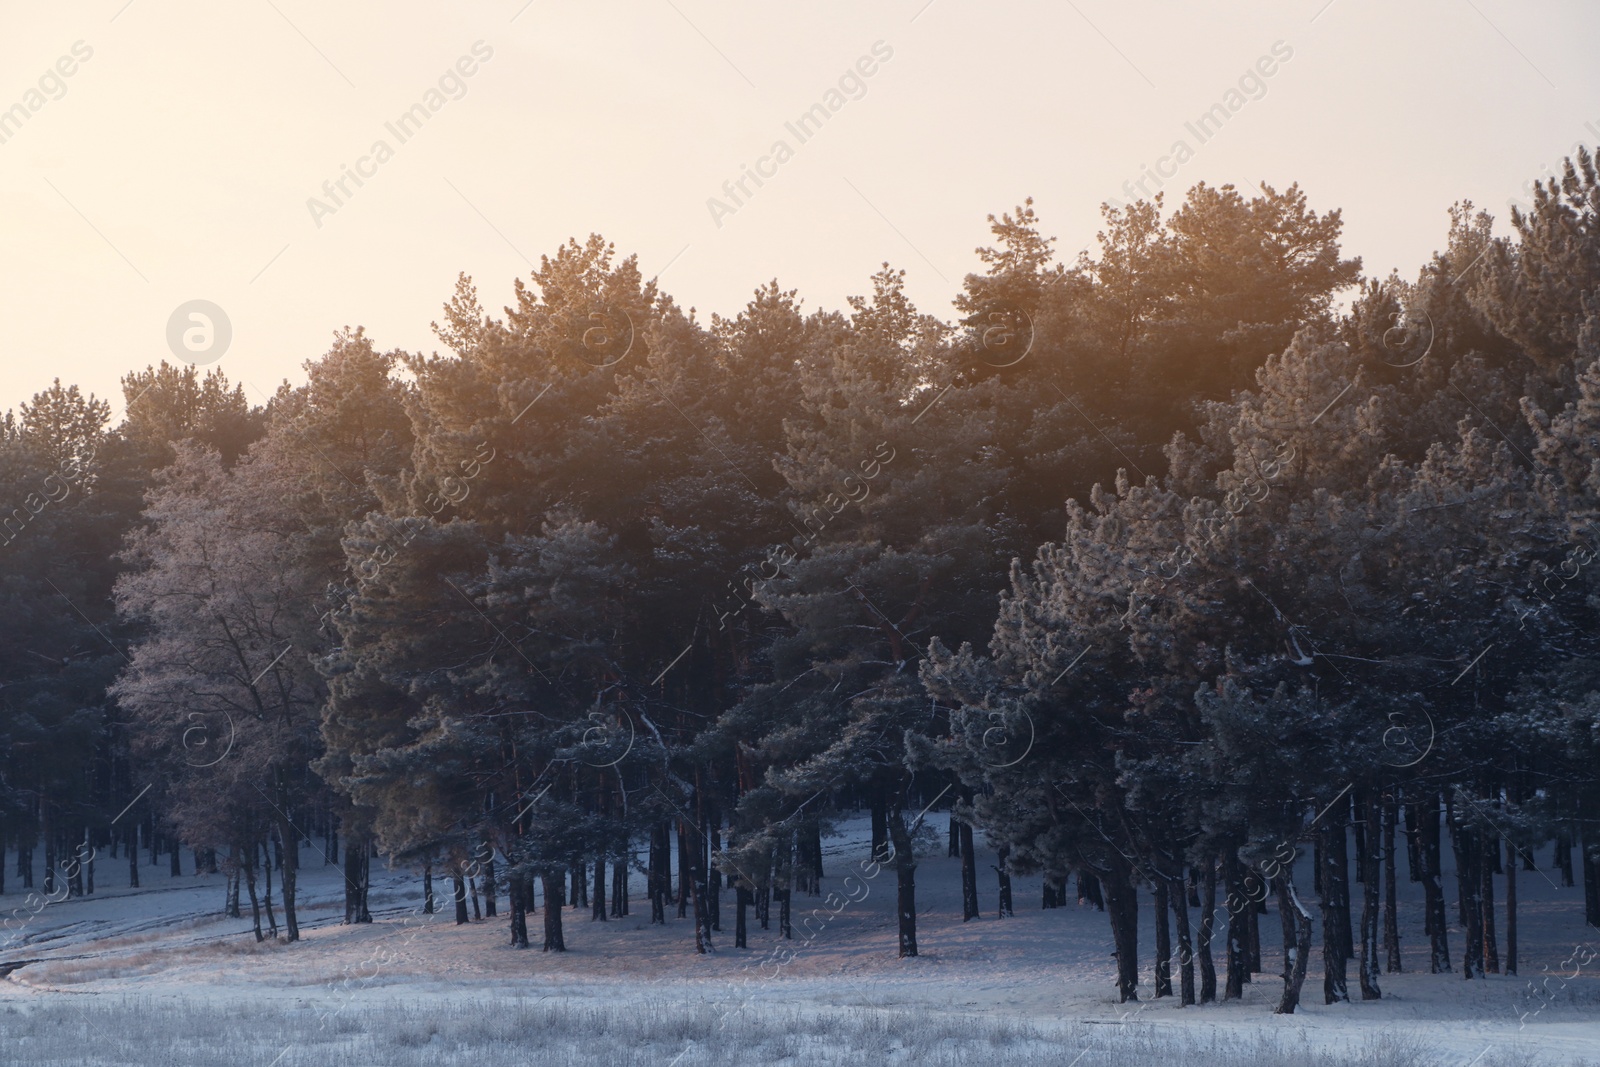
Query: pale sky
pixel 176 161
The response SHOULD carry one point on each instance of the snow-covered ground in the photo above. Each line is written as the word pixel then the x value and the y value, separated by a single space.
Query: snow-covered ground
pixel 158 975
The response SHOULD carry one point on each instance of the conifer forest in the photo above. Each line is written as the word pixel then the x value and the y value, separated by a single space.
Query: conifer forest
pixel 1197 627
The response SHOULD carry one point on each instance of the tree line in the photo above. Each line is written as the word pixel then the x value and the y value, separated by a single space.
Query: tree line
pixel 1156 569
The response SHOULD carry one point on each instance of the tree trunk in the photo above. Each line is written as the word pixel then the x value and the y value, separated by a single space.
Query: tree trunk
pixel 657 875
pixel 1591 878
pixel 1236 904
pixel 1122 906
pixel 355 877
pixel 1180 915
pixel 517 892
pixel 490 888
pixel 1464 840
pixel 1296 942
pixel 597 911
pixel 459 881
pixel 1208 912
pixel 1488 850
pixel 580 885
pixel 970 908
pixel 1252 931
pixel 1391 917
pixel 231 904
pixel 701 888
pixel 1089 886
pixel 1005 881
pixel 619 887
pixel 1511 908
pixel 266 861
pixel 427 887
pixel 685 879
pixel 740 922
pixel 905 871
pixel 1433 885
pixel 880 826
pixel 786 864
pixel 133 863
pixel 290 840
pixel 1370 861
pixel 249 868
pixel 1163 941
pixel 1416 866
pixel 554 886
pixel 1336 933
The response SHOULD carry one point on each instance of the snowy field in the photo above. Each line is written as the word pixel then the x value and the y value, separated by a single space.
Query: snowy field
pixel 159 976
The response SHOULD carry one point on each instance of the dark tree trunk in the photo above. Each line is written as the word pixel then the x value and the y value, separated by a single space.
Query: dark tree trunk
pixel 356 867
pixel 685 879
pixel 290 839
pixel 701 888
pixel 1464 840
pixel 953 850
pixel 880 826
pixel 427 886
pixel 970 908
pixel 1163 981
pixel 597 912
pixel 554 886
pixel 133 861
pixel 1180 914
pixel 490 888
pixel 1051 895
pixel 1252 932
pixel 1005 881
pixel 657 876
pixel 1122 906
pixel 1336 933
pixel 785 895
pixel 249 868
pixel 740 922
pixel 1564 861
pixel 519 910
pixel 1089 886
pixel 905 871
pixel 460 882
pixel 1511 908
pixel 1591 878
pixel 266 861
pixel 234 870
pixel 1208 913
pixel 472 891
pixel 619 887
pixel 1236 904
pixel 1416 867
pixel 1296 943
pixel 1369 863
pixel 1391 917
pixel 1433 885
pixel 711 838
pixel 580 885
pixel 1488 850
